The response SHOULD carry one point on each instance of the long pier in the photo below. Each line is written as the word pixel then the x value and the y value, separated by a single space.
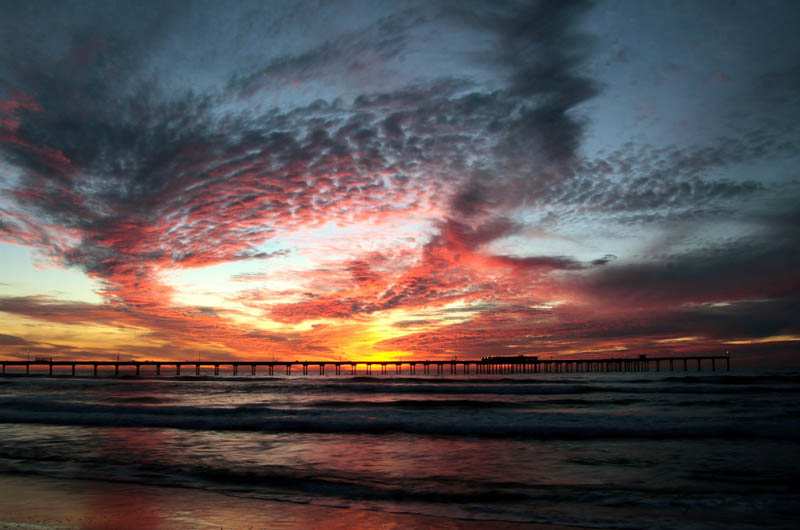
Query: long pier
pixel 486 366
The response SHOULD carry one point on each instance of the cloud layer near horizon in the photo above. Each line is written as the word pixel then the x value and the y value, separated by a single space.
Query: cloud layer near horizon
pixel 410 179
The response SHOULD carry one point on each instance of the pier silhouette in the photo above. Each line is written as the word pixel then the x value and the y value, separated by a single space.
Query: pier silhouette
pixel 486 366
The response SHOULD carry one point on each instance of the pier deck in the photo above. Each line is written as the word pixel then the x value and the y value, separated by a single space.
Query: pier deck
pixel 494 366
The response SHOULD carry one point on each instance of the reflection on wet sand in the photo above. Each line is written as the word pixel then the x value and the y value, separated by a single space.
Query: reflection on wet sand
pixel 71 504
pixel 114 508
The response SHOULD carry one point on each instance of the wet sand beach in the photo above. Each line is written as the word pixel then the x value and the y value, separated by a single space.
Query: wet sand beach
pixel 45 503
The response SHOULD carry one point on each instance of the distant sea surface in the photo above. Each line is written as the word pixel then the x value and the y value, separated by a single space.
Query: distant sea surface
pixel 638 450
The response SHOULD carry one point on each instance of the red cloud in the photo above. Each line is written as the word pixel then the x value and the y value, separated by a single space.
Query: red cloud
pixel 452 267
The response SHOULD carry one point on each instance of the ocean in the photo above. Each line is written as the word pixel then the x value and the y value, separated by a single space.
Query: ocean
pixel 637 450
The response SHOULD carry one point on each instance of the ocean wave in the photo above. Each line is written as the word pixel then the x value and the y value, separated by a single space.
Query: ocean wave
pixel 475 423
pixel 425 404
pixel 432 495
pixel 138 400
pixel 604 383
pixel 267 479
pixel 519 389
pixel 729 379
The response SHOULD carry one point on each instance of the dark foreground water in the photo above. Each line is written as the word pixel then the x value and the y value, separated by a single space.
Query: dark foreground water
pixel 612 451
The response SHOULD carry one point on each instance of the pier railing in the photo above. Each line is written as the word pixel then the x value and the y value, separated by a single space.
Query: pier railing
pixel 493 366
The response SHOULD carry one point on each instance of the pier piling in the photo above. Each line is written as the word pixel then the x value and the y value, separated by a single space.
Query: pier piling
pixel 487 366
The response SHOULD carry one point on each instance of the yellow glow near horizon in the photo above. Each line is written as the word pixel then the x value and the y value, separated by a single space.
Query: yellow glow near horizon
pixel 676 340
pixel 99 337
pixel 765 340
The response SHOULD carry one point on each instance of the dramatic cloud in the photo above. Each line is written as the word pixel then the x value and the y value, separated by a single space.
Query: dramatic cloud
pixel 395 179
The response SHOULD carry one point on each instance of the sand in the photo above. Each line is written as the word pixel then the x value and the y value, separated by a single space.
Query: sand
pixel 29 502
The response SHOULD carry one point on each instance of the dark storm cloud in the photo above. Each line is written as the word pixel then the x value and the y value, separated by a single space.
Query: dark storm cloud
pixel 545 51
pixel 758 266
pixel 742 320
pixel 739 320
pixel 542 52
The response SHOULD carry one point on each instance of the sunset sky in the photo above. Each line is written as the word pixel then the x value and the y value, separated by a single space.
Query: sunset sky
pixel 390 180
